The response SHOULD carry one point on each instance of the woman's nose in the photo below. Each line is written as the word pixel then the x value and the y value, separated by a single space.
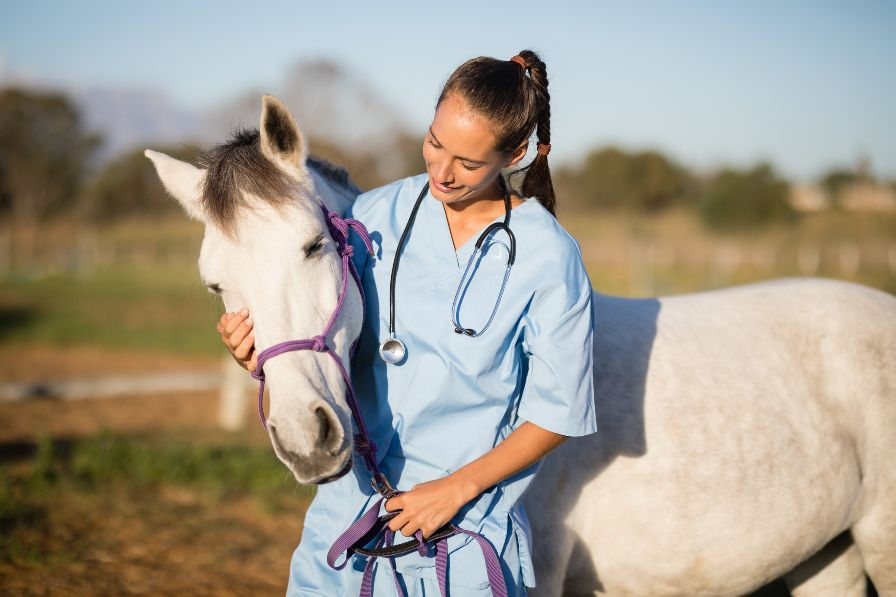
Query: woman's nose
pixel 442 172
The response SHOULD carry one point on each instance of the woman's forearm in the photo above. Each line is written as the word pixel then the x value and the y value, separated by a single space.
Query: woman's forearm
pixel 428 506
pixel 522 448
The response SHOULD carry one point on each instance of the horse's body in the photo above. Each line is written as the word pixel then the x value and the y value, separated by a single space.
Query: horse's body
pixel 740 431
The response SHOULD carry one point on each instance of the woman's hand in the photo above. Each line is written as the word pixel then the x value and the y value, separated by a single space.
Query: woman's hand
pixel 239 338
pixel 427 506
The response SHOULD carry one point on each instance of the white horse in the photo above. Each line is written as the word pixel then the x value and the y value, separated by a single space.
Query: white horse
pixel 744 434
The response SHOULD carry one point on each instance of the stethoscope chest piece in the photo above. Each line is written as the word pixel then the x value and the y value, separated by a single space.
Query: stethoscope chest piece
pixel 393 350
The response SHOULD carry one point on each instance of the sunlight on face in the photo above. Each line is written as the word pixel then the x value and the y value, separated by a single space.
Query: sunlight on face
pixel 460 155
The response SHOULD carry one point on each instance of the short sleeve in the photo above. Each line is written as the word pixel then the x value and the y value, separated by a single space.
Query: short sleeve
pixel 558 394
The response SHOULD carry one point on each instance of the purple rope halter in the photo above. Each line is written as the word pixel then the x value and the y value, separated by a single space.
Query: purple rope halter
pixel 371 527
pixel 339 229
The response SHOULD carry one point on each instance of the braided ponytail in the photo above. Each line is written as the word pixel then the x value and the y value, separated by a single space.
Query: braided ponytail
pixel 537 175
pixel 513 95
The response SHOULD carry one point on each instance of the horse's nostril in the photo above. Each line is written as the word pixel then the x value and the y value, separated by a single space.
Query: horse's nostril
pixel 324 427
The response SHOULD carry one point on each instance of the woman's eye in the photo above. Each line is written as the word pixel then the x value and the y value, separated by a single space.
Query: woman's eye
pixel 314 246
pixel 471 168
pixel 432 142
pixel 214 288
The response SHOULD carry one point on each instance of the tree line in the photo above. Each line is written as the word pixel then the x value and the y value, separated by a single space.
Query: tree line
pixel 47 170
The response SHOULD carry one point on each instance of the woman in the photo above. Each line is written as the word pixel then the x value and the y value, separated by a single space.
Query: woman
pixel 495 369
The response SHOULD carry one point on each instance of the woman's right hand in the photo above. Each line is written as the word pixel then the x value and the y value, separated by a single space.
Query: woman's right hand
pixel 238 336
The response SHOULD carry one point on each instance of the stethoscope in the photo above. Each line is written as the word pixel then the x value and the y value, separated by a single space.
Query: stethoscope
pixel 392 349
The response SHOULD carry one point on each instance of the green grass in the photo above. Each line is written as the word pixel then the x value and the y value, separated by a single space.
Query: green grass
pixel 149 297
pixel 161 307
pixel 220 468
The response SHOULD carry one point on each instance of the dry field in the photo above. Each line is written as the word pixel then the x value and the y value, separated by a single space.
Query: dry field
pixel 78 304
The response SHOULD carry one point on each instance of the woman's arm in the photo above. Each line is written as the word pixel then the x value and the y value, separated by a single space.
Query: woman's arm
pixel 428 506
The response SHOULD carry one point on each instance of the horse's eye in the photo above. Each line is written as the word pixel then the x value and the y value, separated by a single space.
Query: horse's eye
pixel 214 288
pixel 314 246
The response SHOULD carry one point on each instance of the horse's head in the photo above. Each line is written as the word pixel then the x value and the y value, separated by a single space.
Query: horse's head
pixel 267 248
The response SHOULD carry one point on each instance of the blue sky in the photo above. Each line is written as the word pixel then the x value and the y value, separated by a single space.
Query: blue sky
pixel 808 85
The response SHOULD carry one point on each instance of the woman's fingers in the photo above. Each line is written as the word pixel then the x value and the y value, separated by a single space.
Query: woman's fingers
pixel 237 334
pixel 243 350
pixel 403 524
pixel 394 503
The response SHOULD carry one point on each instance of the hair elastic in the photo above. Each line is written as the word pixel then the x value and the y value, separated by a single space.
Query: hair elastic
pixel 543 148
pixel 520 60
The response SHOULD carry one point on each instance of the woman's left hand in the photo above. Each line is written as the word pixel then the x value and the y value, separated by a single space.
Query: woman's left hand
pixel 426 507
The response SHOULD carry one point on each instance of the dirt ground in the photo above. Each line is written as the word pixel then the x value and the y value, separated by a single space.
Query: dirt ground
pixel 35 365
pixel 176 541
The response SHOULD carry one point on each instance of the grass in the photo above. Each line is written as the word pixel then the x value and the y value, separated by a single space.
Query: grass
pixel 160 307
pixel 636 255
pixel 135 285
pixel 135 468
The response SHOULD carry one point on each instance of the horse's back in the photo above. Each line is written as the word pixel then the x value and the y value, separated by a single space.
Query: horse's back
pixel 727 426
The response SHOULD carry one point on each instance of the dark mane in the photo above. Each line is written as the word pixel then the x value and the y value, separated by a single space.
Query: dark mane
pixel 333 173
pixel 235 166
pixel 238 165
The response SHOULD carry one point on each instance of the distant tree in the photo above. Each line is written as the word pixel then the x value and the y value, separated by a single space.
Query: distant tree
pixel 745 199
pixel 395 157
pixel 44 152
pixel 611 178
pixel 128 186
pixel 833 183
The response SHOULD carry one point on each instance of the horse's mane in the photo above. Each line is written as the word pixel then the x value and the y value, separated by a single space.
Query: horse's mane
pixel 238 165
pixel 333 173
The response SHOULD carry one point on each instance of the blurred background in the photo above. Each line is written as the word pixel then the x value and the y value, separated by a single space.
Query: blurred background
pixel 696 145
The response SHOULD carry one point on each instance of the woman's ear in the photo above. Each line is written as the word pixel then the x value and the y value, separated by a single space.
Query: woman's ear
pixel 518 154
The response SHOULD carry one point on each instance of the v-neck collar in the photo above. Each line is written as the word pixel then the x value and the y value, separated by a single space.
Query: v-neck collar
pixel 440 231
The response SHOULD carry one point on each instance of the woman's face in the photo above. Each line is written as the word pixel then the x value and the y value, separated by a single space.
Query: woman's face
pixel 460 155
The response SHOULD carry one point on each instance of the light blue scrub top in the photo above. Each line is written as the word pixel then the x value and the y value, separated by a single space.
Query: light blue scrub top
pixel 455 397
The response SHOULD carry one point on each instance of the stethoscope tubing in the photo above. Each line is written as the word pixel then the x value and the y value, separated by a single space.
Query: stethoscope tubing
pixel 393 350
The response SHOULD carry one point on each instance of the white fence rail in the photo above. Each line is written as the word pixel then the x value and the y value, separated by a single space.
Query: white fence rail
pixel 232 382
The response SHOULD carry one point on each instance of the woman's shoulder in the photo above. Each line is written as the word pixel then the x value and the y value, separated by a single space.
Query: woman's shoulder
pixel 374 200
pixel 544 230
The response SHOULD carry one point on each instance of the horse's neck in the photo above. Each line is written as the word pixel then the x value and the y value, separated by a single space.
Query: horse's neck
pixel 335 197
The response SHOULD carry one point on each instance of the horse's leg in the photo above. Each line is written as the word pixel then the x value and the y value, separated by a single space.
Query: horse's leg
pixel 550 568
pixel 835 571
pixel 552 539
pixel 875 535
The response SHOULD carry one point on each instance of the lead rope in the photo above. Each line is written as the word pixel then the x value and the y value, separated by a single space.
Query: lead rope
pixel 347 542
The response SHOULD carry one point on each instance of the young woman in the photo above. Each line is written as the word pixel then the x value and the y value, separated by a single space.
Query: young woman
pixel 495 366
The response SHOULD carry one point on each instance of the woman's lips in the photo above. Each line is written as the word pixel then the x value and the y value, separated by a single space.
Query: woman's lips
pixel 444 188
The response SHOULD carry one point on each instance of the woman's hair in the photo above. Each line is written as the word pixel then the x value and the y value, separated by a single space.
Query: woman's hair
pixel 513 95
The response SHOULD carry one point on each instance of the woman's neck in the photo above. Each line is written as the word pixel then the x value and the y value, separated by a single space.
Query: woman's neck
pixel 466 218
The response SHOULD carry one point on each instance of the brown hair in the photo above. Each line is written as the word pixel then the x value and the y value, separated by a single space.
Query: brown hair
pixel 515 99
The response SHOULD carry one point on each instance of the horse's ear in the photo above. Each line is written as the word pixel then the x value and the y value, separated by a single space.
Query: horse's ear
pixel 181 180
pixel 281 140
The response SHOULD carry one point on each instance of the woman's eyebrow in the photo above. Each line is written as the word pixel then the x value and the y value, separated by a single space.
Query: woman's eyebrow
pixel 460 157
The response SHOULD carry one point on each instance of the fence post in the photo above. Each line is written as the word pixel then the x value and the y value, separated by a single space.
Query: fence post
pixel 232 405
